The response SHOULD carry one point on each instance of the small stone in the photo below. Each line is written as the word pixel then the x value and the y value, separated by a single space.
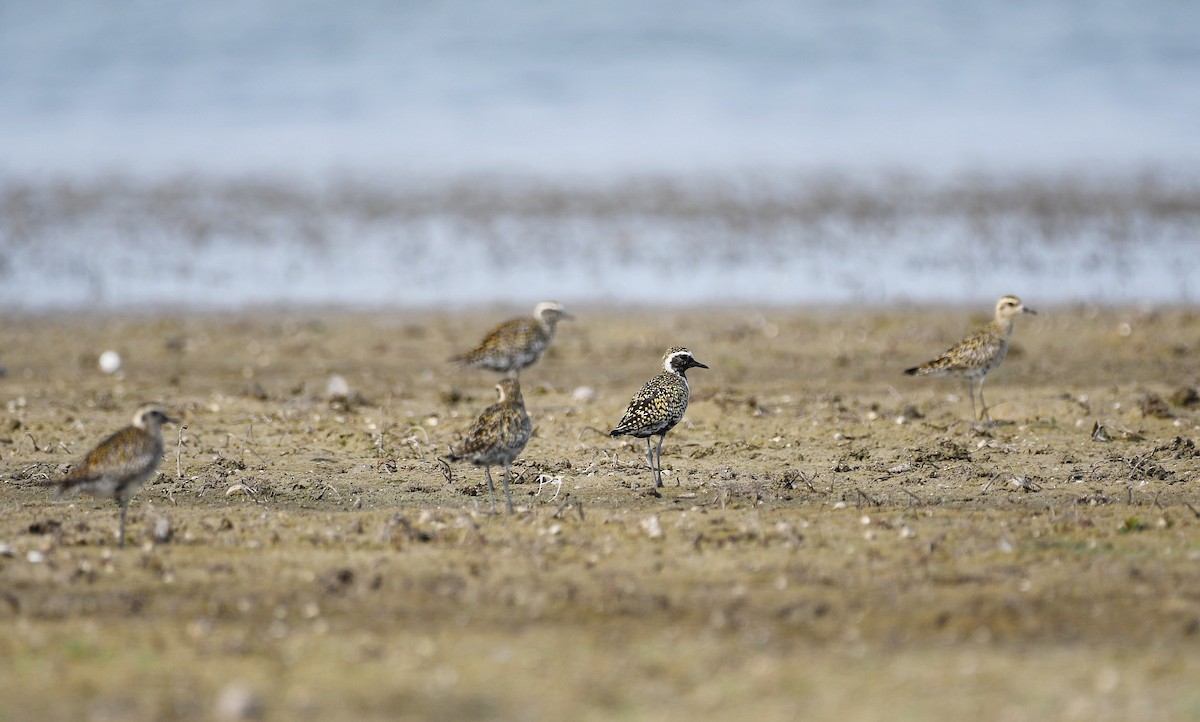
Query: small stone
pixel 1151 404
pixel 337 387
pixel 652 527
pixel 1185 396
pixel 239 702
pixel 110 362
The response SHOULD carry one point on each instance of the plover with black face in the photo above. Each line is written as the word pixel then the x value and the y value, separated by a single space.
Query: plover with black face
pixel 497 437
pixel 977 354
pixel 659 406
pixel 518 343
pixel 120 464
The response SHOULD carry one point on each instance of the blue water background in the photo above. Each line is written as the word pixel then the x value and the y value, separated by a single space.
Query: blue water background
pixel 401 97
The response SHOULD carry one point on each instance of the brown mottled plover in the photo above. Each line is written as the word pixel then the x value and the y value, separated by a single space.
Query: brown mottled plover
pixel 497 437
pixel 517 343
pixel 977 354
pixel 120 464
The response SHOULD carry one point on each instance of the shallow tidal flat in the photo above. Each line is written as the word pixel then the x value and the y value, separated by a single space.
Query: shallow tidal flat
pixel 835 540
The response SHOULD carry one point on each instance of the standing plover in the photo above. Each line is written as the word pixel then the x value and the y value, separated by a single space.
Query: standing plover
pixel 659 406
pixel 497 437
pixel 978 353
pixel 517 343
pixel 121 463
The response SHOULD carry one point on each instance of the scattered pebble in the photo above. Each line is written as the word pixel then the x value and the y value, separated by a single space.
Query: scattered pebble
pixel 1153 405
pixel 584 394
pixel 239 488
pixel 1111 432
pixel 1185 396
pixel 110 362
pixel 1107 680
pixel 337 387
pixel 162 530
pixel 652 527
pixel 239 702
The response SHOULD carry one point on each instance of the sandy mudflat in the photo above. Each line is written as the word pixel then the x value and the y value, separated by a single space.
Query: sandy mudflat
pixel 835 540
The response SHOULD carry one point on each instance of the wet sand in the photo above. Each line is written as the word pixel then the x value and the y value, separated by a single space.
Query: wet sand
pixel 835 540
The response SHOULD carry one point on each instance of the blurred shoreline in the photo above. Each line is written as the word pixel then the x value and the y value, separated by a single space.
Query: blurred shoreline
pixel 210 243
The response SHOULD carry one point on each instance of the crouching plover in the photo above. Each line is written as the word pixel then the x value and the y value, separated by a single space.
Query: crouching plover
pixel 659 406
pixel 497 437
pixel 517 343
pixel 120 464
pixel 978 353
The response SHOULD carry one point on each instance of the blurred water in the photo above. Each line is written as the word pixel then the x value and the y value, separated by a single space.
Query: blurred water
pixel 594 86
pixel 195 242
pixel 233 152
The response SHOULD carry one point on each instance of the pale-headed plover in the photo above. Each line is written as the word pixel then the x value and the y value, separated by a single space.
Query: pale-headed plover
pixel 517 343
pixel 979 353
pixel 120 464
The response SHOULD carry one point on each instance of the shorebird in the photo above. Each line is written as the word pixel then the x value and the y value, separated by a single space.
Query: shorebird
pixel 659 406
pixel 497 437
pixel 977 354
pixel 516 343
pixel 120 464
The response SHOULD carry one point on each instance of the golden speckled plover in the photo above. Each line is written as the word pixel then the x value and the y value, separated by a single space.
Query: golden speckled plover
pixel 659 406
pixel 979 353
pixel 120 464
pixel 517 343
pixel 497 437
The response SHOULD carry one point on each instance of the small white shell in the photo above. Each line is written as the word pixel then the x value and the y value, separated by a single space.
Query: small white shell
pixel 337 387
pixel 110 362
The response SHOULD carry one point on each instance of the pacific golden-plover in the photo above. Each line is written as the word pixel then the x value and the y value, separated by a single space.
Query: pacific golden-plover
pixel 517 343
pixel 659 406
pixel 977 354
pixel 497 437
pixel 120 464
